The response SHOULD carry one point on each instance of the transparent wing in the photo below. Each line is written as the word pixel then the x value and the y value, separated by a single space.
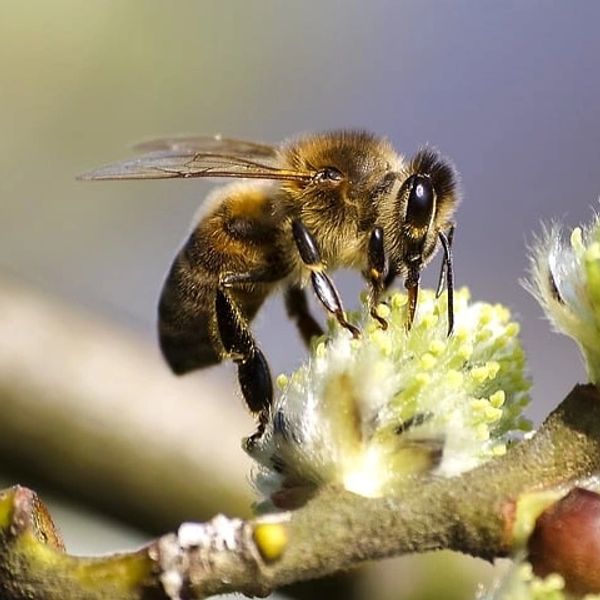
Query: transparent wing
pixel 183 163
pixel 210 144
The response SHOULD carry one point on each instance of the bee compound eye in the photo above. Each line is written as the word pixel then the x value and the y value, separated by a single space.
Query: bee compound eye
pixel 421 200
pixel 330 174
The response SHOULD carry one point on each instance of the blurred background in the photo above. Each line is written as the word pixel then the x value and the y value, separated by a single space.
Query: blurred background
pixel 509 90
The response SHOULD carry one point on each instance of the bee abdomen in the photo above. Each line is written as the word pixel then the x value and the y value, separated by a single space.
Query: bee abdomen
pixel 187 324
pixel 186 319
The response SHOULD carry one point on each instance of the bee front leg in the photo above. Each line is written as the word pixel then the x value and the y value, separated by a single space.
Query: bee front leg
pixel 377 272
pixel 297 309
pixel 254 375
pixel 322 284
pixel 442 278
pixel 447 274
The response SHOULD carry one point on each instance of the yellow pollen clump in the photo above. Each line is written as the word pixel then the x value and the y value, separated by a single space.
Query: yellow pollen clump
pixel 437 347
pixel 399 300
pixel 593 251
pixel 427 361
pixel 501 342
pixel 465 351
pixel 486 315
pixel 271 539
pixel 492 414
pixel 483 335
pixel 512 329
pixel 499 450
pixel 454 378
pixel 480 374
pixel 498 398
pixel 493 367
pixel 281 381
pixel 502 313
pixel 482 432
pixel 577 240
pixel 422 379
pixel 428 321
pixel 479 404
pixel 383 310
pixel 382 340
pixel 461 334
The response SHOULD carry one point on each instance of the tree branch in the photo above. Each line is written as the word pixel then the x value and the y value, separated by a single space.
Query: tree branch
pixel 472 513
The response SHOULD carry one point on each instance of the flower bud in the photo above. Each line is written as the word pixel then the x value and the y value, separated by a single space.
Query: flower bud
pixel 566 540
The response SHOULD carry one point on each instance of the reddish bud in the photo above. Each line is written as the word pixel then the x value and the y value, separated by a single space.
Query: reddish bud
pixel 566 540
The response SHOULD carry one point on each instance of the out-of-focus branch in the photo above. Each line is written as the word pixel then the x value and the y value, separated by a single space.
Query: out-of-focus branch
pixel 472 513
pixel 96 413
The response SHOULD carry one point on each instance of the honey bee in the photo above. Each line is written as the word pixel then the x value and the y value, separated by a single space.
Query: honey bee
pixel 323 201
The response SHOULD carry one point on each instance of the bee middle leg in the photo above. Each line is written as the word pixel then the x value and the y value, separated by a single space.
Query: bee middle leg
pixel 322 284
pixel 411 284
pixel 377 273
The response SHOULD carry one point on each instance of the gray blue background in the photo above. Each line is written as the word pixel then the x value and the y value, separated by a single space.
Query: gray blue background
pixel 509 90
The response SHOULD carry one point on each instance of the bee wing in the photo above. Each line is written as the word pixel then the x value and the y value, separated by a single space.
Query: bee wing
pixel 211 144
pixel 183 163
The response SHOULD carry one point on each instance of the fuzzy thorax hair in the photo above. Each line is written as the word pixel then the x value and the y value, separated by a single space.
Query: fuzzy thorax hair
pixel 368 414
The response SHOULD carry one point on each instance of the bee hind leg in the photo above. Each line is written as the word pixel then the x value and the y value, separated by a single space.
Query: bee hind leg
pixel 322 284
pixel 297 309
pixel 254 375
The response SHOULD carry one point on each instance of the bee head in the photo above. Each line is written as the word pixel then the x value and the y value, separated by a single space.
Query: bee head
pixel 424 204
pixel 347 166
